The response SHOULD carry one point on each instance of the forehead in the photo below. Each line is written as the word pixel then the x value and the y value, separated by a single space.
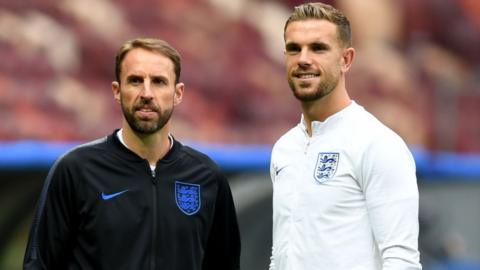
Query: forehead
pixel 140 61
pixel 311 30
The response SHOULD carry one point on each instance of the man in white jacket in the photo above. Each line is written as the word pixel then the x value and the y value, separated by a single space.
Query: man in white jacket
pixel 345 193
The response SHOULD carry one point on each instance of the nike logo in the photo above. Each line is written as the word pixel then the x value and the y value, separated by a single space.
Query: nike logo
pixel 279 170
pixel 113 195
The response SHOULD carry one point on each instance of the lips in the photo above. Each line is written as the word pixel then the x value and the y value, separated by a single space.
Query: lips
pixel 146 113
pixel 306 76
pixel 145 110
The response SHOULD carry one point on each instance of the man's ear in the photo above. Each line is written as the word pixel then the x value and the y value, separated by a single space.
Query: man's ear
pixel 116 91
pixel 347 58
pixel 179 89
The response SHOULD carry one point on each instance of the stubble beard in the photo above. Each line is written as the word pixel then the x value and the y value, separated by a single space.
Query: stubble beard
pixel 146 127
pixel 326 85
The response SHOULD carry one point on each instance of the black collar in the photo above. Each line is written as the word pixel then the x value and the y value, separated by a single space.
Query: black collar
pixel 117 147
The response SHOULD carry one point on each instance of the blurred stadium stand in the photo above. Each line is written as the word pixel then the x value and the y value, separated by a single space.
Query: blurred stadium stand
pixel 417 69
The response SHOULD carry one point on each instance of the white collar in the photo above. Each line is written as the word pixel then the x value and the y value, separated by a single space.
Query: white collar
pixel 318 125
pixel 120 137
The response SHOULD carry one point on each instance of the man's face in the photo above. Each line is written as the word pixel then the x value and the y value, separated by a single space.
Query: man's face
pixel 313 58
pixel 147 91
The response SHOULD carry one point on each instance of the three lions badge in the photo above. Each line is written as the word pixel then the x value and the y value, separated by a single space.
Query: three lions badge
pixel 187 197
pixel 326 166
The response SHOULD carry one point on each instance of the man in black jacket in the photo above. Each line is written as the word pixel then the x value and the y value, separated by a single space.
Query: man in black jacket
pixel 137 199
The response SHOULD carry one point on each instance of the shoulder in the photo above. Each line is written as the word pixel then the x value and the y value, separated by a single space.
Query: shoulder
pixel 199 159
pixel 377 142
pixel 200 164
pixel 382 158
pixel 370 129
pixel 288 139
pixel 66 170
pixel 83 152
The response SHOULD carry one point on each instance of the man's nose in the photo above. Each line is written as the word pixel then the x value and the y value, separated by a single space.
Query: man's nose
pixel 147 91
pixel 305 58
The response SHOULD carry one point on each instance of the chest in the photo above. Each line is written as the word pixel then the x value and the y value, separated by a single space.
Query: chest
pixel 131 199
pixel 316 178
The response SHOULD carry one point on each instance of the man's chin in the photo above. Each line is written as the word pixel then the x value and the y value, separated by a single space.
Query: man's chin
pixel 145 131
pixel 306 96
pixel 145 128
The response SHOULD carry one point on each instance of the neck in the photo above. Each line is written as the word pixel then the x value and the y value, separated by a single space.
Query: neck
pixel 151 147
pixel 321 109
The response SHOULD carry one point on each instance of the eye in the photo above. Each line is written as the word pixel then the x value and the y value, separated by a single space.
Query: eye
pixel 319 47
pixel 135 80
pixel 292 48
pixel 159 81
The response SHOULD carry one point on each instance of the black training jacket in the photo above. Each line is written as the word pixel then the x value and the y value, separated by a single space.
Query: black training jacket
pixel 102 207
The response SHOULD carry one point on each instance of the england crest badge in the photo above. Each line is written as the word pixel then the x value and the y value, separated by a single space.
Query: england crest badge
pixel 326 166
pixel 187 197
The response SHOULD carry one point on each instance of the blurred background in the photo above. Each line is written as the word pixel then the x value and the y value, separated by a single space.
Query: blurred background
pixel 417 69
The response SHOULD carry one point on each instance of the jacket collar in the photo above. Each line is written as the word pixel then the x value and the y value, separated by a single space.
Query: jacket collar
pixel 119 148
pixel 319 126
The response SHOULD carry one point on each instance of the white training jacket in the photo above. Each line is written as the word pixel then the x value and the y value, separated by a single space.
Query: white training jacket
pixel 345 198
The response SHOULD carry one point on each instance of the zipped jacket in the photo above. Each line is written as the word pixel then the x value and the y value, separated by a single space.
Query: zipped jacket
pixel 102 207
pixel 345 197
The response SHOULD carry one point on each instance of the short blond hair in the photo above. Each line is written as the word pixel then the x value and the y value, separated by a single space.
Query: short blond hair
pixel 323 11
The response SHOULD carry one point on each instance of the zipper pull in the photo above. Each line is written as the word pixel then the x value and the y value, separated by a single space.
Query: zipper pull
pixel 306 146
pixel 153 172
pixel 154 179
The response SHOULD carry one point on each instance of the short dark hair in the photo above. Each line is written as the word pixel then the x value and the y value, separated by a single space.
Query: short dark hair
pixel 151 44
pixel 323 11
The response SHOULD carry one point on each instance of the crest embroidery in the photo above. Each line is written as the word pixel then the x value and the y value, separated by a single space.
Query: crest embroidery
pixel 187 197
pixel 326 166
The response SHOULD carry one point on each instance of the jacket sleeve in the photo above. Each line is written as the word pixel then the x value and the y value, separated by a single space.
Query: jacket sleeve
pixel 271 266
pixel 223 247
pixel 50 234
pixel 390 187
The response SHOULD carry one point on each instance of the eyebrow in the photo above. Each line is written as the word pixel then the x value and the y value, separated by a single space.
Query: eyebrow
pixel 157 77
pixel 293 45
pixel 321 45
pixel 133 76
